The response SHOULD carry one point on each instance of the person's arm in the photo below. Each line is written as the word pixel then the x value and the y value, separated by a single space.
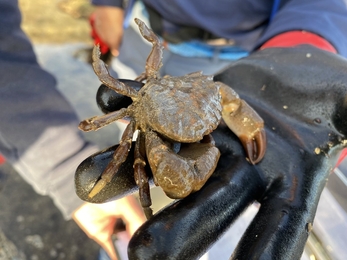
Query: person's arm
pixel 320 23
pixel 108 23
pixel 98 220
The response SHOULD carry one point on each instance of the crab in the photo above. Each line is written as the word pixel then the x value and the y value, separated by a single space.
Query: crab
pixel 175 117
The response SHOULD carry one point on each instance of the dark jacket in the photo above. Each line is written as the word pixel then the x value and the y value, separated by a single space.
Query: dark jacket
pixel 250 23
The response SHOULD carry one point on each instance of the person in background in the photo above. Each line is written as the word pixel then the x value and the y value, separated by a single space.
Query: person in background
pixel 209 37
pixel 40 138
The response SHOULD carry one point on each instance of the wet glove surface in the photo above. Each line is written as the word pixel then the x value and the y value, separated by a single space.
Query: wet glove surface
pixel 301 93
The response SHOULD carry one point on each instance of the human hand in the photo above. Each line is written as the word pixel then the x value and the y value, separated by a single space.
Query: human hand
pixel 301 95
pixel 108 23
pixel 98 220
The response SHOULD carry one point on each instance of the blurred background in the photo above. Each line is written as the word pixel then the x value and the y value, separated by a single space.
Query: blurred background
pixel 31 227
pixel 56 21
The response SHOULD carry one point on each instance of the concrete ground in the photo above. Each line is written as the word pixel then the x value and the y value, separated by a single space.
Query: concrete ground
pixel 32 228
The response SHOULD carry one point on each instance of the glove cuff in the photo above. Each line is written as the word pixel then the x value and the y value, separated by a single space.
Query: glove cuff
pixel 294 38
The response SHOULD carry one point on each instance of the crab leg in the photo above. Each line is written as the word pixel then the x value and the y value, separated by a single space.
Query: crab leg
pixel 97 122
pixel 105 77
pixel 119 157
pixel 141 177
pixel 244 122
pixel 183 173
pixel 154 60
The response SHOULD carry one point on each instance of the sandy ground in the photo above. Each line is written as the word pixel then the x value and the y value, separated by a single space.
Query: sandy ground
pixel 56 21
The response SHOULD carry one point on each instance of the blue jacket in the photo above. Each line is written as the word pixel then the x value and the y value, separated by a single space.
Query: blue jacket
pixel 250 23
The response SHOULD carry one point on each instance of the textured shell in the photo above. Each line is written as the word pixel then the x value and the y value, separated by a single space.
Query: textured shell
pixel 183 108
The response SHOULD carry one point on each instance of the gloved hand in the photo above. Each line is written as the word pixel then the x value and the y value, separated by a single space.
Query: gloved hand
pixel 301 93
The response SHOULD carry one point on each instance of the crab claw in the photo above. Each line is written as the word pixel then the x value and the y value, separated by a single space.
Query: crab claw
pixel 255 145
pixel 182 173
pixel 244 122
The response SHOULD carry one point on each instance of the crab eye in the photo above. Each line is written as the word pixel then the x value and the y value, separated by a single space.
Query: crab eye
pixel 109 100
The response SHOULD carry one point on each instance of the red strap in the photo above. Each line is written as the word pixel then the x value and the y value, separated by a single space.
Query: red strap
pixel 294 38
pixel 2 159
pixel 97 41
pixel 343 155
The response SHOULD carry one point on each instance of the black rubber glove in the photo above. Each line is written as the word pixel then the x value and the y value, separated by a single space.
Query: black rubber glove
pixel 301 93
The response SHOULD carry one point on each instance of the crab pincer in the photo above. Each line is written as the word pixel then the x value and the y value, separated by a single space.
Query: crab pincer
pixel 244 122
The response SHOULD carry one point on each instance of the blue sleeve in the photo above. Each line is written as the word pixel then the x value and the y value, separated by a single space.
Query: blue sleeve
pixel 326 18
pixel 115 3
